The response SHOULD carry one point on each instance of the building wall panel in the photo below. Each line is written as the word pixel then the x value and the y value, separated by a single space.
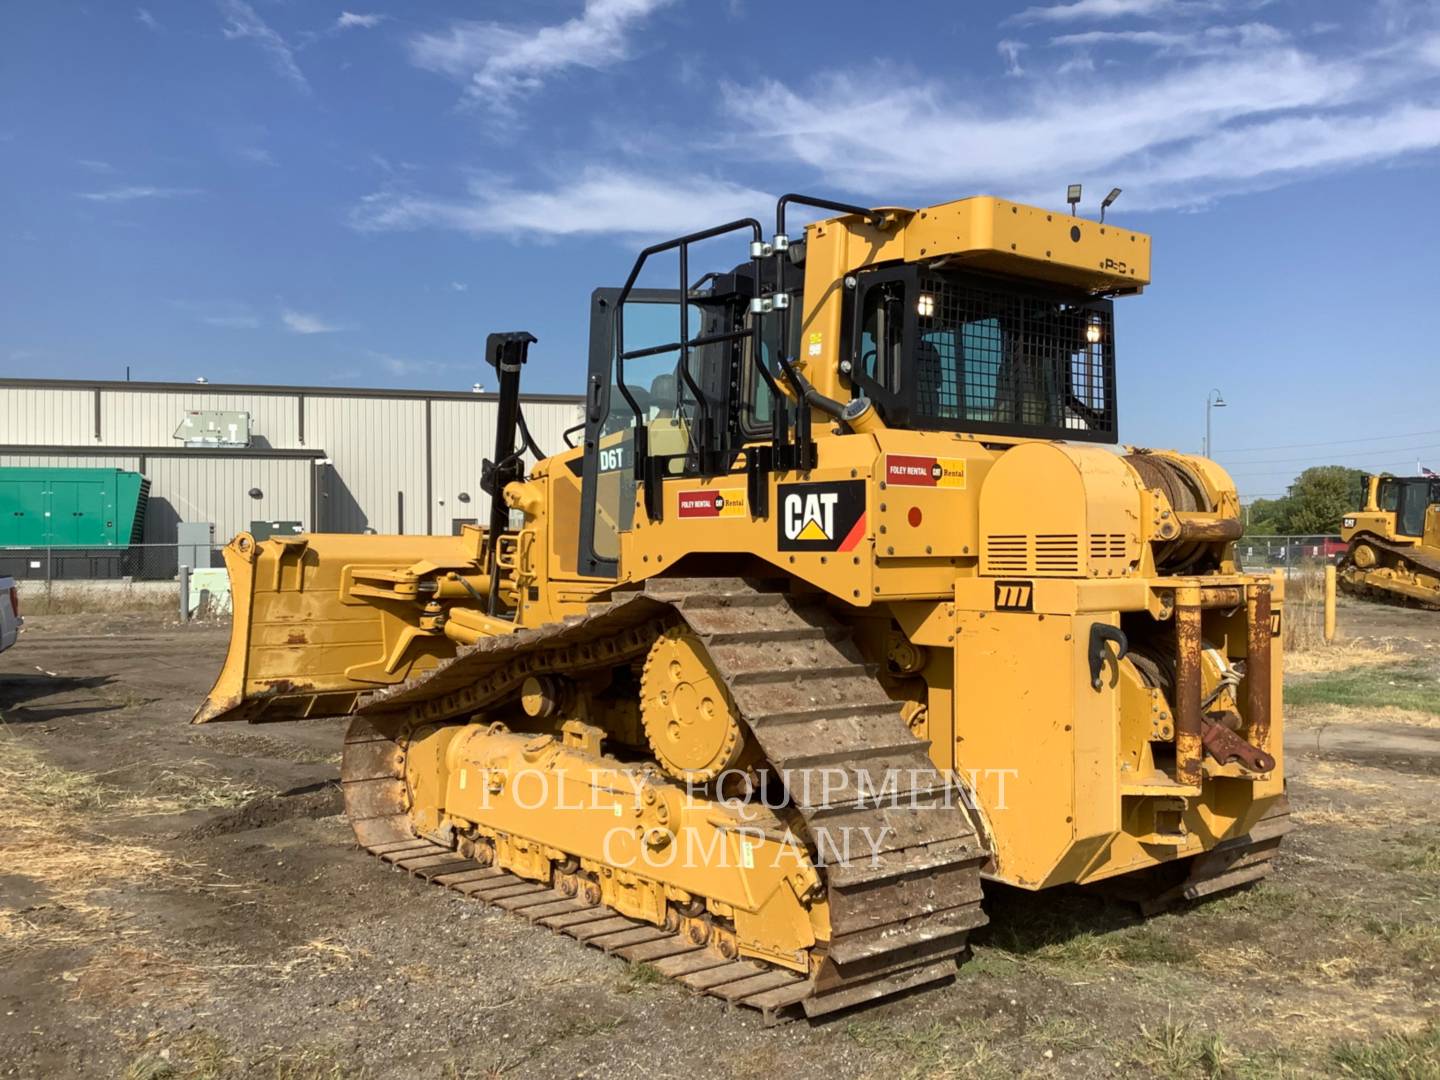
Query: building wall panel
pixel 377 446
pixel 217 490
pixel 47 417
pixel 128 418
pixel 375 443
pixel 72 461
pixel 462 437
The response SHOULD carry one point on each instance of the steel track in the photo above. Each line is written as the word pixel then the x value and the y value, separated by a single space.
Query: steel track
pixel 1403 554
pixel 900 912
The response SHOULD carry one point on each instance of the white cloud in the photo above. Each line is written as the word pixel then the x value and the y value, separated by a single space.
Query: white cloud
pixel 256 155
pixel 1109 9
pixel 231 322
pixel 95 166
pixel 1212 41
pixel 1249 114
pixel 599 201
pixel 1010 52
pixel 144 18
pixel 1264 154
pixel 1430 50
pixel 459 286
pixel 242 24
pixel 134 192
pixel 404 366
pixel 502 63
pixel 349 20
pixel 297 322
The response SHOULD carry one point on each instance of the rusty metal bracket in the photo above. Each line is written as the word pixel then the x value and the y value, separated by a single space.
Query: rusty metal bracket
pixel 1225 746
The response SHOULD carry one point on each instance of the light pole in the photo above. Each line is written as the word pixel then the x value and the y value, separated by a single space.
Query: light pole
pixel 1213 400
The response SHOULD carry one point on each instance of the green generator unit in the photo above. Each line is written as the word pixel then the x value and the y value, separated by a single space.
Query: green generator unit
pixel 89 508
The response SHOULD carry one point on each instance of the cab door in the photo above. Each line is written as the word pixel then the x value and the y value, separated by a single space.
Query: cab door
pixel 607 500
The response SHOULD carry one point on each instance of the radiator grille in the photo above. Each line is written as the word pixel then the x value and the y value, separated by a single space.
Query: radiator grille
pixel 1007 554
pixel 1046 554
pixel 1057 553
pixel 1107 546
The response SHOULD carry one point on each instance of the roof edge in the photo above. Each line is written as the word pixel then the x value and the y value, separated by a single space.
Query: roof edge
pixel 275 390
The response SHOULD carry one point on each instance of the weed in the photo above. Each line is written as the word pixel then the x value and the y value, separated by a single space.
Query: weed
pixel 1395 1056
pixel 309 1064
pixel 1061 1033
pixel 640 976
pixel 1177 1049
pixel 958 1047
pixel 149 1067
pixel 1425 861
pixel 207 1057
pixel 1418 941
pixel 990 961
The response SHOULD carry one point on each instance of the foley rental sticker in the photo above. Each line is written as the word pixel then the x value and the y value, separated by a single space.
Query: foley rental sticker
pixel 711 502
pixel 907 470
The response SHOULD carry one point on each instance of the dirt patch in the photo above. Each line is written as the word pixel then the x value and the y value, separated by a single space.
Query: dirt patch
pixel 324 800
pixel 188 905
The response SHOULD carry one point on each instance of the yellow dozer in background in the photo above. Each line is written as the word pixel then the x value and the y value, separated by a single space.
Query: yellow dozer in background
pixel 844 605
pixel 1393 541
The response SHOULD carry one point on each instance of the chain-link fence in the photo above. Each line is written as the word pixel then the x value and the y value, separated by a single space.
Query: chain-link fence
pixel 1289 553
pixel 132 562
pixel 184 580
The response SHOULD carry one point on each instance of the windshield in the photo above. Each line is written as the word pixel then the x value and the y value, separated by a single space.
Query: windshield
pixel 962 352
pixel 1415 498
pixel 994 356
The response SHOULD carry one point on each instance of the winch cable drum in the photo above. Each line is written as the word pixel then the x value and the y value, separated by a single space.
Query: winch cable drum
pixel 1187 494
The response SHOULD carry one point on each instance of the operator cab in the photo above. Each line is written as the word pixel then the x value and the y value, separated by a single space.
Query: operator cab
pixel 940 349
pixel 718 377
pixel 1408 498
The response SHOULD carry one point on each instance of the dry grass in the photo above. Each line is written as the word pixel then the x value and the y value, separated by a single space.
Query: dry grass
pixel 54 838
pixel 1304 618
pixel 79 599
pixel 319 955
pixel 1339 776
pixel 1327 794
pixel 166 790
pixel 71 867
pixel 121 973
pixel 1319 716
pixel 1320 658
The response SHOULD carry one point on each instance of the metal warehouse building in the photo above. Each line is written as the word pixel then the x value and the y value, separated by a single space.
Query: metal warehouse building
pixel 332 460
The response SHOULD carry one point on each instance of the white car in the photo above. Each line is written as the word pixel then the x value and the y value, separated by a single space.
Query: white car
pixel 10 621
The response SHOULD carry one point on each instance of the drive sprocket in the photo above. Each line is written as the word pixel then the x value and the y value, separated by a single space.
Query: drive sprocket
pixel 690 721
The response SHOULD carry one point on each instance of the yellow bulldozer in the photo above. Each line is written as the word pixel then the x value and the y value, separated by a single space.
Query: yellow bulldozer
pixel 1393 542
pixel 844 604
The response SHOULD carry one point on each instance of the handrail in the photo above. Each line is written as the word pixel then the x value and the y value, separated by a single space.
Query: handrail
pixel 704 426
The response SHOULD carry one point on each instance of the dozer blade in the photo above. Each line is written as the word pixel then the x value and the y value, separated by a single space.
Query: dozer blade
pixel 307 638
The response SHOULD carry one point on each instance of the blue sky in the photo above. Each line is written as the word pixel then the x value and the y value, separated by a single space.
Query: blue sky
pixel 294 191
